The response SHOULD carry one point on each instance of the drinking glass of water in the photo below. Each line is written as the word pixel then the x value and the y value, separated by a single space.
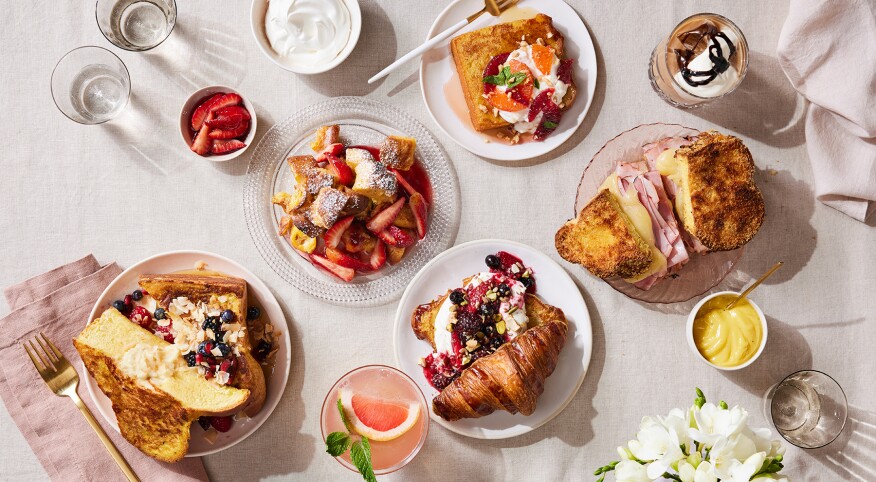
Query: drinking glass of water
pixel 136 24
pixel 90 85
pixel 808 408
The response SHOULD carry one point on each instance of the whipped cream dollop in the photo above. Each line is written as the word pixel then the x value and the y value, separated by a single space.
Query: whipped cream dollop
pixel 308 32
pixel 543 81
pixel 723 81
pixel 148 363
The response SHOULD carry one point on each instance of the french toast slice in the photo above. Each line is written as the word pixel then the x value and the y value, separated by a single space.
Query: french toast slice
pixel 718 201
pixel 604 240
pixel 154 414
pixel 220 292
pixel 472 52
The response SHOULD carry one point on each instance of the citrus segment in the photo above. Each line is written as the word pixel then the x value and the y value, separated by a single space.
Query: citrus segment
pixel 543 58
pixel 379 419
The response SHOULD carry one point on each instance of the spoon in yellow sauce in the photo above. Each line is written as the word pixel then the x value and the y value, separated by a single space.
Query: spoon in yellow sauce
pixel 755 285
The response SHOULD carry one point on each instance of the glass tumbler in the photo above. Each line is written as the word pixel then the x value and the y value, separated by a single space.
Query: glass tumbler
pixel 808 408
pixel 136 25
pixel 91 85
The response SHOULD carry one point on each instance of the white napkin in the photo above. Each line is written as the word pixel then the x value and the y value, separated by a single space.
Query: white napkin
pixel 828 51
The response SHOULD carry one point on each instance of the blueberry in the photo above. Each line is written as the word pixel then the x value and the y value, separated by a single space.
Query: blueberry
pixel 227 316
pixel 253 313
pixel 457 297
pixel 137 295
pixel 120 305
pixel 190 358
pixel 159 314
pixel 204 422
pixel 487 309
pixel 224 349
pixel 262 350
pixel 527 282
pixel 205 348
pixel 503 290
pixel 493 261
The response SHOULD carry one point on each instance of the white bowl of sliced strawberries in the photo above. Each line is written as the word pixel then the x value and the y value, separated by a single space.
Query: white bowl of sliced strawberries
pixel 355 210
pixel 217 123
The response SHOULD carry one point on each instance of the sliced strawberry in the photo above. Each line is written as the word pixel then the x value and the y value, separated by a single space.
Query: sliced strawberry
pixel 398 237
pixel 202 143
pixel 230 133
pixel 341 170
pixel 225 101
pixel 378 256
pixel 336 149
pixel 229 117
pixel 222 146
pixel 332 237
pixel 346 274
pixel 404 182
pixel 421 214
pixel 384 218
pixel 346 260
pixel 200 114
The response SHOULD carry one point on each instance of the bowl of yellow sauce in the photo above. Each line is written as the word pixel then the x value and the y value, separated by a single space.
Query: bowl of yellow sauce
pixel 727 339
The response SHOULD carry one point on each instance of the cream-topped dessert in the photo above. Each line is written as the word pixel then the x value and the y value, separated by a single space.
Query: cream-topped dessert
pixel 308 32
pixel 710 72
pixel 477 319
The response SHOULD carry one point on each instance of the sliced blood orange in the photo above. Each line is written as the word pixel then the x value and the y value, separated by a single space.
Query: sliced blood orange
pixel 517 98
pixel 379 419
pixel 543 58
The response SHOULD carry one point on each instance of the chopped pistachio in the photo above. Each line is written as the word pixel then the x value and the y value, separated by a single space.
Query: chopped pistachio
pixel 500 327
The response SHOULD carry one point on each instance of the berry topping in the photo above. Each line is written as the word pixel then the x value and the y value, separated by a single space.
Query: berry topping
pixel 231 132
pixel 262 350
pixel 398 237
pixel 221 424
pixel 160 314
pixel 378 256
pixel 457 296
pixel 341 170
pixel 439 381
pixel 227 316
pixel 129 301
pixel 204 422
pixel 488 309
pixel 528 282
pixel 346 260
pixel 384 219
pixel 137 295
pixel 344 273
pixel 202 144
pixel 507 260
pixel 190 358
pixel 418 206
pixel 468 323
pixel 493 262
pixel 332 237
pixel 205 349
pixel 225 101
pixel 229 117
pixel 223 350
pixel 503 290
pixel 221 146
pixel 253 313
pixel 202 111
pixel 141 316
pixel 120 305
pixel 211 323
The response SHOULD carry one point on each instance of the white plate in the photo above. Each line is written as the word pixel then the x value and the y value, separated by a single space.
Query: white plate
pixel 443 94
pixel 555 287
pixel 172 261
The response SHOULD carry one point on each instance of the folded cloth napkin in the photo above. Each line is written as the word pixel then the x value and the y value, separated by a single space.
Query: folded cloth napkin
pixel 828 51
pixel 57 304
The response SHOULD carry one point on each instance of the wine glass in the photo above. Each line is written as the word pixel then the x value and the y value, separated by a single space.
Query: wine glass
pixel 808 408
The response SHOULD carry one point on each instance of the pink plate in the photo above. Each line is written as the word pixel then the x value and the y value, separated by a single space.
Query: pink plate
pixel 702 272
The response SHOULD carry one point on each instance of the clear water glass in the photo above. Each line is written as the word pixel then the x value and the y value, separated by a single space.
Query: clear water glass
pixel 808 408
pixel 136 25
pixel 90 85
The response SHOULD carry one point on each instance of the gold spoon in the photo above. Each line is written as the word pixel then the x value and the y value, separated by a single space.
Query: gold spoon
pixel 755 285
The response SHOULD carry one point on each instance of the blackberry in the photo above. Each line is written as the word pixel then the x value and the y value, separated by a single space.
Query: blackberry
pixel 480 353
pixel 253 313
pixel 457 296
pixel 262 350
pixel 159 314
pixel 227 316
pixel 204 422
pixel 468 323
pixel 493 261
pixel 439 381
pixel 211 323
pixel 488 309
pixel 190 358
pixel 503 290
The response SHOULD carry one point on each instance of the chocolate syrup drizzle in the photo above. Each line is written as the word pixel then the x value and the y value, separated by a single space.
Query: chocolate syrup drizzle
pixel 705 32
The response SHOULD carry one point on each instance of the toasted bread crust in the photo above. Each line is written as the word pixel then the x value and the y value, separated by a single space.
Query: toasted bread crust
pixel 473 50
pixel 603 240
pixel 728 208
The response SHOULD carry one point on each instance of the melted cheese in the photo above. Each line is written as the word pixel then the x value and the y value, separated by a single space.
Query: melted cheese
pixel 641 220
pixel 669 167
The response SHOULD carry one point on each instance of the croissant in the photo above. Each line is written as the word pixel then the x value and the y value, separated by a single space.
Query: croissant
pixel 512 378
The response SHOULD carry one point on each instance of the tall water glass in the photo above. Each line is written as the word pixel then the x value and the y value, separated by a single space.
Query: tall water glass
pixel 90 85
pixel 136 24
pixel 808 408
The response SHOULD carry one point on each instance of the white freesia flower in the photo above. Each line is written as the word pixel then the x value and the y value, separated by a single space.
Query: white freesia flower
pixel 744 471
pixel 659 441
pixel 714 422
pixel 631 471
pixel 729 451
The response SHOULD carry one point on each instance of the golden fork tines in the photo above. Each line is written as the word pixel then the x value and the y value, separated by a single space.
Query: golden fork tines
pixel 494 8
pixel 62 379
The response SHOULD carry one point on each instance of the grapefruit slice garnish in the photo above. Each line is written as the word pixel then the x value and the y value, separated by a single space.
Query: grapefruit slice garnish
pixel 543 58
pixel 379 419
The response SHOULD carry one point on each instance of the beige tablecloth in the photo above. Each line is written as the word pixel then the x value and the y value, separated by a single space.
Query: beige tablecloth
pixel 124 190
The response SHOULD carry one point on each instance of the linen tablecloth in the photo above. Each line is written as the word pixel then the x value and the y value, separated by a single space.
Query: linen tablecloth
pixel 124 190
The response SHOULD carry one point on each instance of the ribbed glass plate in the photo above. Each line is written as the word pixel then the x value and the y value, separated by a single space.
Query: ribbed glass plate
pixel 702 272
pixel 362 122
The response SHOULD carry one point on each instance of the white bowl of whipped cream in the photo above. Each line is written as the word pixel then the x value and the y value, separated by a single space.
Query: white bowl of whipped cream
pixel 306 36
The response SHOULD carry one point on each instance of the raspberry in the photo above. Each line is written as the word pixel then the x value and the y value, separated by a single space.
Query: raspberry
pixel 222 424
pixel 141 316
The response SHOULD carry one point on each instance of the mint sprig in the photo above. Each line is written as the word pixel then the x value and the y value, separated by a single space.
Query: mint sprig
pixel 337 443
pixel 506 78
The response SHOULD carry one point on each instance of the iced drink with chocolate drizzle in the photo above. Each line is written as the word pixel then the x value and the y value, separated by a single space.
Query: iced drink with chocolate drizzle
pixel 703 59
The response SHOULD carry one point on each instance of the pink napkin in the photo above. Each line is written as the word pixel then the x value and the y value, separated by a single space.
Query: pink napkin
pixel 57 303
pixel 828 52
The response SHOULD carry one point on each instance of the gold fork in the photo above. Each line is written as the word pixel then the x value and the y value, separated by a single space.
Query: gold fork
pixel 493 7
pixel 62 379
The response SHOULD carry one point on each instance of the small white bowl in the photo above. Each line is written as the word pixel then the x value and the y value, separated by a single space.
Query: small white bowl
pixel 693 345
pixel 185 119
pixel 257 17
